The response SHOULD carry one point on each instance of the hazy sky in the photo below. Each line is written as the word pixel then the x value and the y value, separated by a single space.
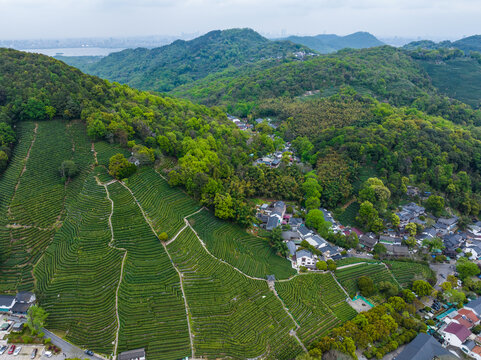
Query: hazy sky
pixel 24 19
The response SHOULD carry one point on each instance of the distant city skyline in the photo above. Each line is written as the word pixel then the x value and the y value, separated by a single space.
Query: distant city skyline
pixel 60 19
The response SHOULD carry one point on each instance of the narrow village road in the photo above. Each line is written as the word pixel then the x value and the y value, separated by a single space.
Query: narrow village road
pixel 70 350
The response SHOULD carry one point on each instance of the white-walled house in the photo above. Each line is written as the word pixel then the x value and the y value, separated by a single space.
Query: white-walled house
pixel 456 334
pixel 305 258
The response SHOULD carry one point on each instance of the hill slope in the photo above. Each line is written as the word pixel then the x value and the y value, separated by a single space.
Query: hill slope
pixel 385 73
pixel 330 43
pixel 467 44
pixel 162 69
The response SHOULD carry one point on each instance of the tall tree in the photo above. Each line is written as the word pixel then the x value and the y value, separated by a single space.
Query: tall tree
pixel 36 317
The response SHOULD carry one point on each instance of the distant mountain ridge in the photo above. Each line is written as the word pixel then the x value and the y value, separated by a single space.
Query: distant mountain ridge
pixel 467 44
pixel 328 43
pixel 164 68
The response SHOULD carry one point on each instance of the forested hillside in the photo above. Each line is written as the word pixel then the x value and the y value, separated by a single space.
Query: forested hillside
pixel 467 44
pixel 453 72
pixel 326 44
pixel 214 162
pixel 164 68
pixel 385 73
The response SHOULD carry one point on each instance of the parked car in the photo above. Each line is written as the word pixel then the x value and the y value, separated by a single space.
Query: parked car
pixel 3 349
pixel 89 352
pixel 48 354
pixel 17 351
pixel 11 350
pixel 34 353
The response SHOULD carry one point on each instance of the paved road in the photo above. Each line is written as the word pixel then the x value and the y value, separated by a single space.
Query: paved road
pixel 442 271
pixel 69 349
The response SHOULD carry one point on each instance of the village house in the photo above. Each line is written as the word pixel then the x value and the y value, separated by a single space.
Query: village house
pixel 474 306
pixel 466 317
pixel 291 236
pixel 410 213
pixel 390 240
pixel 455 334
pixel 445 226
pixel 137 354
pixel 472 349
pixel 304 232
pixel 23 301
pixel 330 219
pixel 474 250
pixel 305 258
pixel 397 250
pixel 276 215
pixel 368 241
pixel 17 305
pixel 292 249
pixel 330 252
pixel 430 232
pixel 424 347
pixel 6 303
pixel 294 223
pixel 316 241
pixel 133 160
pixel 475 229
pixel 452 242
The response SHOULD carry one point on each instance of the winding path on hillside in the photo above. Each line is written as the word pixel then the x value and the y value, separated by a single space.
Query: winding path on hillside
pixel 111 244
pixel 184 227
pixel 24 167
pixel 187 311
pixel 292 332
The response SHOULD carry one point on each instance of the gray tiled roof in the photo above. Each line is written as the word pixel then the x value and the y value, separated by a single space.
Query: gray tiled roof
pixel 423 347
pixel 475 305
pixel 132 354
pixel 292 247
pixel 302 253
pixel 6 300
pixel 272 222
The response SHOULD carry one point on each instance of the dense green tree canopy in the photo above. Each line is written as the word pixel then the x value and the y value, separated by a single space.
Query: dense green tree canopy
pixel 120 168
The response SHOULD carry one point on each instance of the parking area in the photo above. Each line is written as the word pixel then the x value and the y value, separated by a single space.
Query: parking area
pixel 26 352
pixel 68 350
pixel 442 271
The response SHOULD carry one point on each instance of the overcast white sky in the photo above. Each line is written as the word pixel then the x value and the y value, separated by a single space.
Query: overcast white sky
pixel 27 19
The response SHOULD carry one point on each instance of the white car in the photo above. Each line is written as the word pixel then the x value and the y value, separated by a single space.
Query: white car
pixel 48 354
pixel 3 349
pixel 17 351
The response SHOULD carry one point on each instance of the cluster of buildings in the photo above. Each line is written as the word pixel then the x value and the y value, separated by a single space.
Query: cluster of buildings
pixel 274 215
pixel 452 332
pixel 18 304
pixel 241 125
pixel 456 243
pixel 454 328
pixel 274 160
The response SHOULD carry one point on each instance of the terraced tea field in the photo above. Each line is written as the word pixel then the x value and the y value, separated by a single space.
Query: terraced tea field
pixel 406 272
pixel 232 316
pixel 317 303
pixel 165 205
pixel 151 306
pixel 90 252
pixel 229 242
pixel 347 277
pixel 33 195
pixel 78 275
